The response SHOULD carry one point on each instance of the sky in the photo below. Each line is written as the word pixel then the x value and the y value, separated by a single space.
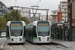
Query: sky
pixel 43 4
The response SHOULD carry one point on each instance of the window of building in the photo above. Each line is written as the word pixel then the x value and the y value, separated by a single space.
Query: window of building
pixel 64 2
pixel 64 5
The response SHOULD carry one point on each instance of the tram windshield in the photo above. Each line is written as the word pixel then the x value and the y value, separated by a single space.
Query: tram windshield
pixel 16 25
pixel 16 29
pixel 16 32
pixel 43 28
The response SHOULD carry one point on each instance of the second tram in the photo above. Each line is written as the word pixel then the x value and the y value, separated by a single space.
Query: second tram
pixel 39 32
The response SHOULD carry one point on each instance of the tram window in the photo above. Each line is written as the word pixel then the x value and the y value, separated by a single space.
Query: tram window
pixel 24 30
pixel 7 32
pixel 34 31
pixel 16 32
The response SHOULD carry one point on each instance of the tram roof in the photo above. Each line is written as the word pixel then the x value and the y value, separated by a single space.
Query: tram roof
pixel 35 23
pixel 8 23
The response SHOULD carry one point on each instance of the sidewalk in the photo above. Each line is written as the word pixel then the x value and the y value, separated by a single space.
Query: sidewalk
pixel 67 44
pixel 2 43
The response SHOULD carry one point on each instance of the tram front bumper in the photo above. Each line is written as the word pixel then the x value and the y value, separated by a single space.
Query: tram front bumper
pixel 37 41
pixel 9 41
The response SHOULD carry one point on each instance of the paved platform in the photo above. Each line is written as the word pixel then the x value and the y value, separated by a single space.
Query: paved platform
pixel 67 44
pixel 2 43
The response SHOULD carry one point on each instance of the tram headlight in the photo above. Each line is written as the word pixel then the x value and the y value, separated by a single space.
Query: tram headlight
pixel 20 39
pixel 47 38
pixel 39 39
pixel 12 39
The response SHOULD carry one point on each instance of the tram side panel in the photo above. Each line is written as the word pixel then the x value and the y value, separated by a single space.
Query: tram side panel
pixel 30 33
pixel 35 36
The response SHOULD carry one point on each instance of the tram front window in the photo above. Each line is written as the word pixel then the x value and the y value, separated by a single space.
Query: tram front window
pixel 43 33
pixel 16 32
pixel 16 29
pixel 43 29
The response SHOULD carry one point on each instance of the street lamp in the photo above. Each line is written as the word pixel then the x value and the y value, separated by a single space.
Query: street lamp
pixel 70 33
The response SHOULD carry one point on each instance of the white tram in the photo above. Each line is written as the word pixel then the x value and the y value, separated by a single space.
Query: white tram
pixel 39 32
pixel 16 32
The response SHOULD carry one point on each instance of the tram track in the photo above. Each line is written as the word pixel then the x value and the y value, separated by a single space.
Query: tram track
pixel 14 48
pixel 11 47
pixel 54 45
pixel 44 47
pixel 40 46
pixel 36 45
pixel 21 47
pixel 25 47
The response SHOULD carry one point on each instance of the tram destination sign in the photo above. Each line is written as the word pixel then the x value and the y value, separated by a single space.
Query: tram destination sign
pixel 43 24
pixel 15 24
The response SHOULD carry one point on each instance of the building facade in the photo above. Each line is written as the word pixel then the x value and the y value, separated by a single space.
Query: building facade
pixel 63 7
pixel 54 16
pixel 68 8
pixel 71 13
pixel 3 9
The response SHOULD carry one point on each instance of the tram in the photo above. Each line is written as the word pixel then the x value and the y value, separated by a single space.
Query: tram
pixel 15 32
pixel 39 32
pixel 59 31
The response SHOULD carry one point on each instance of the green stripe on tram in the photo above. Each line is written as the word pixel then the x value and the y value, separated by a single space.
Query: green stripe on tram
pixel 23 37
pixel 34 37
pixel 8 37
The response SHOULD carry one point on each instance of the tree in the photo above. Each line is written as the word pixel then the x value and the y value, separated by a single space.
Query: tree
pixel 25 20
pixel 8 17
pixel 15 14
pixel 2 23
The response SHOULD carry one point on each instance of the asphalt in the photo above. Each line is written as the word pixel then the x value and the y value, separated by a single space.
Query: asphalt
pixel 70 45
pixel 57 45
pixel 2 43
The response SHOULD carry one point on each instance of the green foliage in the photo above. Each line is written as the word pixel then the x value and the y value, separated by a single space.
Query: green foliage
pixel 3 23
pixel 16 15
pixel 8 17
pixel 25 19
